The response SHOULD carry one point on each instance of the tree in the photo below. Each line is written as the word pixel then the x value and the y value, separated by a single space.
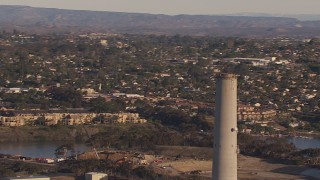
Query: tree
pixel 66 96
pixel 241 69
pixel 173 117
pixel 202 123
pixel 145 173
pixel 100 105
pixel 40 121
pixel 65 151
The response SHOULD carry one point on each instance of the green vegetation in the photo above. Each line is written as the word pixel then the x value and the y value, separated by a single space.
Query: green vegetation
pixel 312 119
pixel 173 73
pixel 278 149
pixel 65 151
pixel 12 168
pixel 134 64
pixel 65 97
pixel 100 105
pixel 43 133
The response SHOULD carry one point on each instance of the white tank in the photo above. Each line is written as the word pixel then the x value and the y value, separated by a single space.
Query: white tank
pixel 225 129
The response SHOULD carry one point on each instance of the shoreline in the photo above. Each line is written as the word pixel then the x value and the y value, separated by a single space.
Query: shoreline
pixel 308 134
pixel 292 134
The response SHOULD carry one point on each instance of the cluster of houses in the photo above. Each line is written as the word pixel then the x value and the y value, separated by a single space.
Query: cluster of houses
pixel 49 119
pixel 251 61
pixel 88 176
pixel 246 112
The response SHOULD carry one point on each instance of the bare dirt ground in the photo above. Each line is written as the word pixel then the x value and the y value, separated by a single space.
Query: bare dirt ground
pixel 180 161
pixel 250 168
pixel 257 168
pixel 62 177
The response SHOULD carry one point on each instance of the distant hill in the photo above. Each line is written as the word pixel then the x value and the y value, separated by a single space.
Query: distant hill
pixel 44 20
pixel 301 17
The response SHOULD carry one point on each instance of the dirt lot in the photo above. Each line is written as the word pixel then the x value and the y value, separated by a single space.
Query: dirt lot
pixel 180 161
pixel 257 168
pixel 250 168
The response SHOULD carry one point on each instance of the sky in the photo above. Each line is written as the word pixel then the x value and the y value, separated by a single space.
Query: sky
pixel 174 7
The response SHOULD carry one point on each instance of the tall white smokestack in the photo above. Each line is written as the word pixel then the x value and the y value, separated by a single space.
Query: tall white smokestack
pixel 225 129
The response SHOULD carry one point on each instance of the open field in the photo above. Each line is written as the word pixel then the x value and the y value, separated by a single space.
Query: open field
pixel 185 162
pixel 250 168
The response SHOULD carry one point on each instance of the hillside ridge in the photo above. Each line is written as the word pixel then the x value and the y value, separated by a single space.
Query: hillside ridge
pixel 49 20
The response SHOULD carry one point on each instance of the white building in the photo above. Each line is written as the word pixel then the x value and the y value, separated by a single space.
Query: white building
pixel 96 176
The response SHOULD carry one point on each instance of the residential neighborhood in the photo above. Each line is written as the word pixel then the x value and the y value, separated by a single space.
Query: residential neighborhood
pixel 146 92
pixel 49 119
pixel 278 76
pixel 159 90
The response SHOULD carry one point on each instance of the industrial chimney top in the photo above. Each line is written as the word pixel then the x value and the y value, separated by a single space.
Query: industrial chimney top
pixel 226 75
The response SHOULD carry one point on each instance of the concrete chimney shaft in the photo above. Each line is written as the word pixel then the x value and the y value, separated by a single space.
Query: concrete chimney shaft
pixel 225 129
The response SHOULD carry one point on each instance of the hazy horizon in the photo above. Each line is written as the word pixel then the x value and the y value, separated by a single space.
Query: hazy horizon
pixel 175 7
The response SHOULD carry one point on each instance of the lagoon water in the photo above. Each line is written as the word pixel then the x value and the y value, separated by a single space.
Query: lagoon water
pixel 47 149
pixel 305 142
pixel 37 149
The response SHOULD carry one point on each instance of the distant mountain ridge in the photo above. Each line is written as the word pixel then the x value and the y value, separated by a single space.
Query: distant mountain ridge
pixel 301 17
pixel 44 20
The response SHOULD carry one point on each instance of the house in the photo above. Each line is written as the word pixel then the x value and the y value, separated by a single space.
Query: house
pixel 247 131
pixel 130 118
pixel 49 119
pixel 11 121
pixel 88 90
pixel 16 90
pixel 96 176
pixel 246 112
